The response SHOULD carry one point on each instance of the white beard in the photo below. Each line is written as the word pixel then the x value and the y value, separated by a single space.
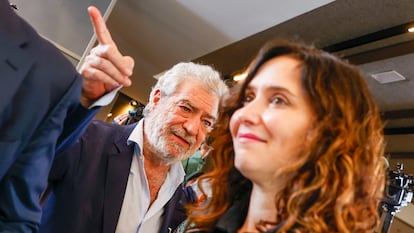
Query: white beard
pixel 157 136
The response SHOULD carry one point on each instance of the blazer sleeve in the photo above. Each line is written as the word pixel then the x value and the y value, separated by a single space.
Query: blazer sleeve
pixel 75 124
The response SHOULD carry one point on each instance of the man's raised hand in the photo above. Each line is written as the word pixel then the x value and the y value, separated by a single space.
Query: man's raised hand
pixel 105 68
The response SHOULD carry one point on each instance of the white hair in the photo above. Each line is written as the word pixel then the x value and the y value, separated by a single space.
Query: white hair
pixel 202 74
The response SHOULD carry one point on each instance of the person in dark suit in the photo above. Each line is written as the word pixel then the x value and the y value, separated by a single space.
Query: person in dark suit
pixel 42 98
pixel 128 178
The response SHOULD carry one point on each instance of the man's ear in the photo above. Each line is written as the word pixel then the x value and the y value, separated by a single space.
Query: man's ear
pixel 156 97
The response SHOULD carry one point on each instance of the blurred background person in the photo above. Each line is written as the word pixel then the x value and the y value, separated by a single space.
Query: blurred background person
pixel 130 117
pixel 196 162
pixel 122 119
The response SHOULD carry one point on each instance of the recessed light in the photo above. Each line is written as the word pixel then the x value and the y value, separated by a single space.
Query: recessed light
pixel 388 77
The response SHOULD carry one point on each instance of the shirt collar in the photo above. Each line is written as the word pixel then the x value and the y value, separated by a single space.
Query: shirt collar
pixel 137 136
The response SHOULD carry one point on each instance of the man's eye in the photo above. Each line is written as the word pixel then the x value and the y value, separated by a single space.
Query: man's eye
pixel 207 123
pixel 185 109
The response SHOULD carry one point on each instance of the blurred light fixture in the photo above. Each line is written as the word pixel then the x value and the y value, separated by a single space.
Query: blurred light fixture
pixel 133 103
pixel 157 76
pixel 239 77
pixel 385 34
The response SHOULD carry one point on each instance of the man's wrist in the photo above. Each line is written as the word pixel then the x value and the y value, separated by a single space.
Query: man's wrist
pixel 104 100
pixel 85 102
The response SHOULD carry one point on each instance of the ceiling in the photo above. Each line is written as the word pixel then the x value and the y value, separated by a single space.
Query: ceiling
pixel 159 33
pixel 226 34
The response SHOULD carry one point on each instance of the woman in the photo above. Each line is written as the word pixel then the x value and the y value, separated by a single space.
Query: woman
pixel 305 152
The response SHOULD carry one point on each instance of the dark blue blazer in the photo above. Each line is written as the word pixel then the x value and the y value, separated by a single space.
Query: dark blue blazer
pixel 39 98
pixel 89 181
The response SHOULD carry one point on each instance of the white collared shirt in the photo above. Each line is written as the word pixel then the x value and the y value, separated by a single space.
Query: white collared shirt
pixel 136 216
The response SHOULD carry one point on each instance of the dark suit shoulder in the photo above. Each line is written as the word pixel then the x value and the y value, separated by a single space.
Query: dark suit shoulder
pixel 102 131
pixel 96 140
pixel 98 126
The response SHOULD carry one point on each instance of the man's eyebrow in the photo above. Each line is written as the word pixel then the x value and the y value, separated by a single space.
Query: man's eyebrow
pixel 188 102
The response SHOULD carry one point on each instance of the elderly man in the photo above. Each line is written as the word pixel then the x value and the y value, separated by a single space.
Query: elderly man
pixel 128 178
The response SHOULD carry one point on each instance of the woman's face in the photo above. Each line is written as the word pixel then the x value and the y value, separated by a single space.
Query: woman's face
pixel 271 128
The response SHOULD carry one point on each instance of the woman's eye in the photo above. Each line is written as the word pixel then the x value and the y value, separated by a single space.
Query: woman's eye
pixel 248 98
pixel 279 100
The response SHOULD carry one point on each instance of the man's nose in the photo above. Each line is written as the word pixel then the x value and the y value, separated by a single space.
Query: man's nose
pixel 192 125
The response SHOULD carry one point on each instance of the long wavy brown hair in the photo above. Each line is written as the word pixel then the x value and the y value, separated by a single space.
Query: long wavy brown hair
pixel 339 179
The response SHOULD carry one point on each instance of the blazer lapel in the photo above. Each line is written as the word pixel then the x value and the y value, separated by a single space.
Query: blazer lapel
pixel 15 63
pixel 116 180
pixel 174 211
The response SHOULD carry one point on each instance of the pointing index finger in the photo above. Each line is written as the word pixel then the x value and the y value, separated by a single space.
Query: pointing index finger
pixel 99 26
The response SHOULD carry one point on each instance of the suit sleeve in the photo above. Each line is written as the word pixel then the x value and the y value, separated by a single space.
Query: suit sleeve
pixel 76 122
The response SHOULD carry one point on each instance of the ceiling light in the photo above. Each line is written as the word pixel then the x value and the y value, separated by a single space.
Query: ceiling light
pixel 239 77
pixel 388 77
pixel 371 37
pixel 133 103
pixel 157 76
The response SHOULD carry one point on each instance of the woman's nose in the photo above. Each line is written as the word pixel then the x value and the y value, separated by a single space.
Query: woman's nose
pixel 250 113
